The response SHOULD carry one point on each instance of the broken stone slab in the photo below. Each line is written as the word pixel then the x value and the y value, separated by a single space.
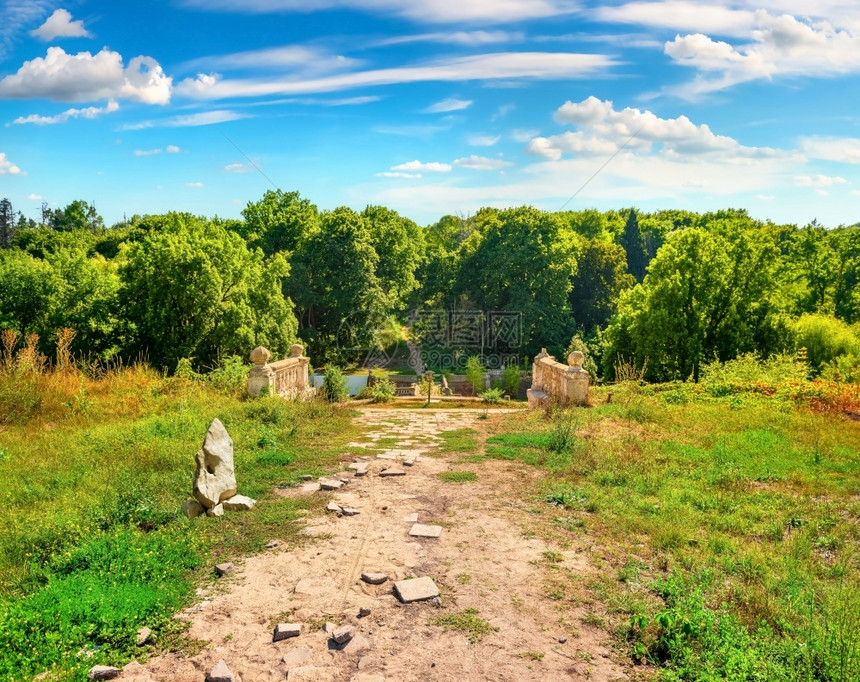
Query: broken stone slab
pixel 192 508
pixel 311 487
pixel 306 477
pixel 374 578
pixel 420 530
pixel 102 672
pixel 223 569
pixel 415 589
pixel 349 511
pixel 345 480
pixel 409 461
pixel 361 472
pixel 356 466
pixel 392 472
pixel 217 510
pixel 239 503
pixel 272 544
pixel 410 518
pixel 333 507
pixel 297 656
pixel 220 673
pixel 328 628
pixel 343 634
pixel 143 636
pixel 286 630
pixel 331 485
pixel 214 478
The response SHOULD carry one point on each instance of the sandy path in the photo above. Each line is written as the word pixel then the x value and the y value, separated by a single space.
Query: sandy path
pixel 482 560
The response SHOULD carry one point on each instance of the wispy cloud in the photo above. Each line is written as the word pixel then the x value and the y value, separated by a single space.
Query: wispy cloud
pixel 431 167
pixel 482 163
pixel 397 174
pixel 15 16
pixel 844 149
pixel 470 38
pixel 450 104
pixel 819 180
pixel 484 140
pixel 237 168
pixel 204 118
pixel 194 184
pixel 87 112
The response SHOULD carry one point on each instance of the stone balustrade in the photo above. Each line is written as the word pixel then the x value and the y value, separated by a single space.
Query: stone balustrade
pixel 287 378
pixel 552 380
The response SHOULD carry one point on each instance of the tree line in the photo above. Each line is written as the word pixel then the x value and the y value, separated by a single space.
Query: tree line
pixel 664 292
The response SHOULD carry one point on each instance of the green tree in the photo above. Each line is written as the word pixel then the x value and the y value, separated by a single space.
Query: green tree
pixel 280 221
pixel 634 247
pixel 194 290
pixel 600 278
pixel 7 223
pixel 28 291
pixel 399 246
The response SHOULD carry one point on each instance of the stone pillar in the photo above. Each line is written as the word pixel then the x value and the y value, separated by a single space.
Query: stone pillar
pixel 261 377
pixel 576 380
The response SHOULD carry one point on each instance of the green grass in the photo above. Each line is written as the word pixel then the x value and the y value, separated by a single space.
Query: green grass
pixel 468 622
pixel 461 440
pixel 458 476
pixel 731 536
pixel 94 545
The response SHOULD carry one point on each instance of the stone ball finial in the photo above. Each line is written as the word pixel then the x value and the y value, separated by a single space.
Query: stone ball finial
pixel 260 356
pixel 575 359
pixel 296 350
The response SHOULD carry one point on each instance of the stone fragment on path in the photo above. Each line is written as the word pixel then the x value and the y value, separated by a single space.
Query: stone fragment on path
pixel 223 569
pixel 392 472
pixel 349 511
pixel 102 672
pixel 239 503
pixel 374 578
pixel 143 635
pixel 192 508
pixel 420 530
pixel 363 612
pixel 311 487
pixel 409 462
pixel 331 485
pixel 214 478
pixel 328 628
pixel 343 634
pixel 286 630
pixel 415 589
pixel 306 477
pixel 297 656
pixel 272 544
pixel 220 673
pixel 333 507
pixel 217 510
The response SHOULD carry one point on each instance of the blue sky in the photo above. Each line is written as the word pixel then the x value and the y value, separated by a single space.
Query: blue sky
pixel 433 106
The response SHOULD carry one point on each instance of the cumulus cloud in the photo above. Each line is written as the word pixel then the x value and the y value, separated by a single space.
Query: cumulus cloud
pixel 432 167
pixel 603 130
pixel 450 104
pixel 34 197
pixel 7 167
pixel 83 76
pixel 818 180
pixel 60 25
pixel 844 149
pixel 482 163
pixel 87 112
pixel 236 168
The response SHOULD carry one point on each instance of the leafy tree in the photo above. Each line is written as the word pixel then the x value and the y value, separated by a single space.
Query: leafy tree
pixel 634 247
pixel 280 221
pixel 600 278
pixel 7 223
pixel 194 290
pixel 708 293
pixel 399 245
pixel 28 290
pixel 825 339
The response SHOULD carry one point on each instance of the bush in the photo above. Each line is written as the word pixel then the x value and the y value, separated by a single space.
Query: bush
pixel 512 381
pixel 826 339
pixel 382 391
pixel 492 396
pixel 588 364
pixel 475 373
pixel 334 385
pixel 749 368
pixel 231 376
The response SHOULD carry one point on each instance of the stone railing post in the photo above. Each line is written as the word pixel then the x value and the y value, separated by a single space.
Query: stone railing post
pixel 576 380
pixel 287 377
pixel 261 377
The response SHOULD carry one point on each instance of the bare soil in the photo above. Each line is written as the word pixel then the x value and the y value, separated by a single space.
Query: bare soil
pixel 486 559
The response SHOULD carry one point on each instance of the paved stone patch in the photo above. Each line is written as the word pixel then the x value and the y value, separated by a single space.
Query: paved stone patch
pixel 333 507
pixel 415 589
pixel 392 472
pixel 350 511
pixel 286 630
pixel 420 530
pixel 331 485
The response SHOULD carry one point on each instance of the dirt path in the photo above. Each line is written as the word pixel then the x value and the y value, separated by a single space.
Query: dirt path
pixel 485 559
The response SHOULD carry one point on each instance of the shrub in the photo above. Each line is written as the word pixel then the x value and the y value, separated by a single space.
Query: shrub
pixel 511 380
pixel 334 385
pixel 231 376
pixel 492 396
pixel 825 339
pixel 382 391
pixel 749 368
pixel 588 364
pixel 475 373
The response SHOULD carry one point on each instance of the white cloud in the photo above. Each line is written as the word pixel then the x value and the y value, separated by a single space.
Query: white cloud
pixel 437 11
pixel 237 168
pixel 147 152
pixel 523 135
pixel 484 140
pixel 470 38
pixel 780 46
pixel 204 118
pixel 680 15
pixel 482 67
pixel 432 167
pixel 818 180
pixel 7 167
pixel 60 25
pixel 502 111
pixel 845 149
pixel 482 163
pixel 765 197
pixel 450 104
pixel 83 76
pixel 822 192
pixel 396 174
pixel 306 60
pixel 87 112
pixel 172 149
pixel 35 197
pixel 15 17
pixel 194 184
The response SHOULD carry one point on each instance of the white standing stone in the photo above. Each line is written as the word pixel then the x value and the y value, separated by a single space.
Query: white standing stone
pixel 214 479
pixel 239 503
